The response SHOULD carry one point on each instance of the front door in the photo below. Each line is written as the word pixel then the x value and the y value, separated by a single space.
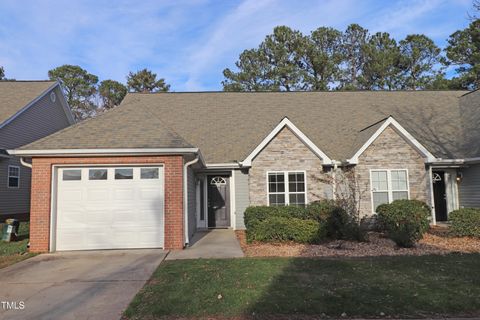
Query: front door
pixel 218 202
pixel 439 195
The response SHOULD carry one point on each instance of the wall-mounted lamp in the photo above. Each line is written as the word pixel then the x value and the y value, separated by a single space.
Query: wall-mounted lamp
pixel 459 176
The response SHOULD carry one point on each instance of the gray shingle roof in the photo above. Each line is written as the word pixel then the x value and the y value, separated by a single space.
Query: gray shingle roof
pixel 124 127
pixel 227 126
pixel 14 95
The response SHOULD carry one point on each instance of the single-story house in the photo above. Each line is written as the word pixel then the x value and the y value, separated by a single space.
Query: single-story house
pixel 162 165
pixel 29 110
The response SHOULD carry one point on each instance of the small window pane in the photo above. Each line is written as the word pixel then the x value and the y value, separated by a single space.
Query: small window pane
pixel 149 173
pixel 277 199
pixel 292 186
pixel 97 174
pixel 13 171
pixel 297 199
pixel 379 180
pixel 72 175
pixel 379 198
pixel 272 187
pixel 397 195
pixel 121 174
pixel 13 182
pixel 399 180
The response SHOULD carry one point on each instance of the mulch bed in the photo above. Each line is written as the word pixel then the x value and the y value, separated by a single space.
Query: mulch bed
pixel 436 241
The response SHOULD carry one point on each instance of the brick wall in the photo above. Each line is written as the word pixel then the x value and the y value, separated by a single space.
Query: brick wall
pixel 41 195
pixel 287 153
pixel 391 151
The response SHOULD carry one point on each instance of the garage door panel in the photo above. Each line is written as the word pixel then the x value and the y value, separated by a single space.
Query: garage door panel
pixel 123 193
pixel 110 213
pixel 97 194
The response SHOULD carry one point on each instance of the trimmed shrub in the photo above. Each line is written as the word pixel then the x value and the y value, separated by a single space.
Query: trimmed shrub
pixel 340 225
pixel 278 228
pixel 405 221
pixel 465 222
pixel 320 210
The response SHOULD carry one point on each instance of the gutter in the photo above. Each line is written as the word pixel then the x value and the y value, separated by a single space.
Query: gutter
pixel 185 198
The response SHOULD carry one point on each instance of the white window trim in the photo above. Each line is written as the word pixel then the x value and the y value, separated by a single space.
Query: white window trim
pixel 9 176
pixel 389 185
pixel 286 181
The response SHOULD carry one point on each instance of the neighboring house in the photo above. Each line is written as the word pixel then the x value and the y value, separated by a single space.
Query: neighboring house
pixel 29 110
pixel 160 166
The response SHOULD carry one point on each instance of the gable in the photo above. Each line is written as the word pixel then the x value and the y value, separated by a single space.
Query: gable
pixel 285 147
pixel 390 147
pixel 41 119
pixel 286 123
pixel 391 124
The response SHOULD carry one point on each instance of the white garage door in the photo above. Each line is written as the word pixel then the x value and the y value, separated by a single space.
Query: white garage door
pixel 110 208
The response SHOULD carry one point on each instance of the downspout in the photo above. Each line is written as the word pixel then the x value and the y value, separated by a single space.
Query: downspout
pixel 185 198
pixel 24 163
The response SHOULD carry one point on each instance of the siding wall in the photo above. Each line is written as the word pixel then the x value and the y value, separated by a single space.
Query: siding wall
pixel 469 188
pixel 242 197
pixel 287 153
pixel 191 205
pixel 391 151
pixel 14 200
pixel 40 120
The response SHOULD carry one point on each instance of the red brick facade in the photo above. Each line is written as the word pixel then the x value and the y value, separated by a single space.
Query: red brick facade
pixel 41 195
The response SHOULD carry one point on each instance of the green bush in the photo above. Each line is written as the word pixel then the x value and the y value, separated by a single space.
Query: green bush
pixel 341 225
pixel 405 221
pixel 276 228
pixel 465 222
pixel 320 210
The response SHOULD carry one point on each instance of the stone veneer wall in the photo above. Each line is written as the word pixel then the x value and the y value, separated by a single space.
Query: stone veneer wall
pixel 391 151
pixel 287 153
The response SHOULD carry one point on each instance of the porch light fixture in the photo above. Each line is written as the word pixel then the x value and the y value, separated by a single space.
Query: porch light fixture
pixel 459 176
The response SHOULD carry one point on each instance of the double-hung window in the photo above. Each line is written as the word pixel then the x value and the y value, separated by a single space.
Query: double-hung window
pixel 287 188
pixel 13 176
pixel 388 185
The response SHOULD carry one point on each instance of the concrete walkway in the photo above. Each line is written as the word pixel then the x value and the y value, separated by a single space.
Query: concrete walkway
pixel 215 243
pixel 76 285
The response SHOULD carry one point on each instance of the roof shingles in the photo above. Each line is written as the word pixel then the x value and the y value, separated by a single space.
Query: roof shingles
pixel 227 126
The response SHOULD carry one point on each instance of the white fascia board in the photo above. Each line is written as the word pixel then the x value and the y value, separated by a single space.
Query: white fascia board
pixel 403 132
pixel 286 123
pixel 30 104
pixel 231 165
pixel 103 152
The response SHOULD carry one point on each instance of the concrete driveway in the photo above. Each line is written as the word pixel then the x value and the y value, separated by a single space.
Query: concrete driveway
pixel 76 285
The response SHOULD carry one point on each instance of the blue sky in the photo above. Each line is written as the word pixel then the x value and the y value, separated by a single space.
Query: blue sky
pixel 189 43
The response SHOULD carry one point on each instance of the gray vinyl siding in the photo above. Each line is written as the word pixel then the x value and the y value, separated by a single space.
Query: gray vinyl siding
pixel 242 198
pixel 38 121
pixel 192 202
pixel 469 187
pixel 14 200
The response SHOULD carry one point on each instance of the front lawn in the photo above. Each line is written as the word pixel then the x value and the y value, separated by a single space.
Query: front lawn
pixel 409 286
pixel 13 252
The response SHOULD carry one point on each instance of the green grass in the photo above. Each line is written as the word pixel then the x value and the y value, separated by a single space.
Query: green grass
pixel 13 252
pixel 369 287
